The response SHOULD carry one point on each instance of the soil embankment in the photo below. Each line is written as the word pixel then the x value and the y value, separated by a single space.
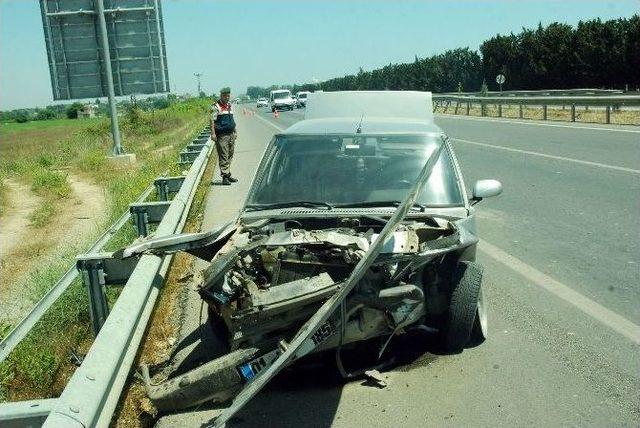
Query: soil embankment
pixel 23 247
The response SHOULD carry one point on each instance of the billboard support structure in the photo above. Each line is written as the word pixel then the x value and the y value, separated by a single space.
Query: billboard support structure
pixel 83 37
pixel 106 57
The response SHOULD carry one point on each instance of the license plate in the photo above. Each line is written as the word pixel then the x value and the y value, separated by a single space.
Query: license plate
pixel 250 370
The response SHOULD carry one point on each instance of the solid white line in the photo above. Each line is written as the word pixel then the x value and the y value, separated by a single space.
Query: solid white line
pixel 520 122
pixel 595 310
pixel 544 155
pixel 268 122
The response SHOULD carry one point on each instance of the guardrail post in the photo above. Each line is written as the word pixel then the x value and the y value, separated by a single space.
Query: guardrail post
pixel 499 110
pixel 147 212
pixel 457 107
pixel 468 107
pixel 608 114
pixel 140 221
pixel 544 112
pixel 520 114
pixel 573 112
pixel 167 185
pixel 93 278
pixel 483 108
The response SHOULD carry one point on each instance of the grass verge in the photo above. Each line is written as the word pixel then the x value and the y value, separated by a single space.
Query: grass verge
pixel 41 365
pixel 135 409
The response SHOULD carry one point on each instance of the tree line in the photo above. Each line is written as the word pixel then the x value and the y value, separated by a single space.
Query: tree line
pixel 593 54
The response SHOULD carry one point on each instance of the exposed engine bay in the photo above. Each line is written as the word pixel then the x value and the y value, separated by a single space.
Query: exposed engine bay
pixel 268 278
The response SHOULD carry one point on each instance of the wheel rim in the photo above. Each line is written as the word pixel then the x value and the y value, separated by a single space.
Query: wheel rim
pixel 481 314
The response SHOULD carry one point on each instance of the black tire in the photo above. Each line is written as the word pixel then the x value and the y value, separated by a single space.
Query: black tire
pixel 463 307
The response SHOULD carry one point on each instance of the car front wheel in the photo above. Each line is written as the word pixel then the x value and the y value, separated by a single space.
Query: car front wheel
pixel 466 321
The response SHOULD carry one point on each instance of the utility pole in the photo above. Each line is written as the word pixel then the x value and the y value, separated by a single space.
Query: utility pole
pixel 198 75
pixel 106 58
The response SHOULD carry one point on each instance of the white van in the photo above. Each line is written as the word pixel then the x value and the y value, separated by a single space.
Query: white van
pixel 281 99
pixel 302 98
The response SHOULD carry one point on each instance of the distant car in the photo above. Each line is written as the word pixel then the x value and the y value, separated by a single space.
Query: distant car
pixel 281 99
pixel 262 102
pixel 364 199
pixel 302 98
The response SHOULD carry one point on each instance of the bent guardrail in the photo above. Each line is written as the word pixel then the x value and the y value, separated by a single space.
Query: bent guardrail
pixel 92 393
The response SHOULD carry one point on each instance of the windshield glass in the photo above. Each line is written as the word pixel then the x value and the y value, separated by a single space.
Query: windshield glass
pixel 302 95
pixel 280 95
pixel 340 170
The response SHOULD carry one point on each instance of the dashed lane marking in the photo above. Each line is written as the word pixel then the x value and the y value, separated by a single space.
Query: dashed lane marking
pixel 544 155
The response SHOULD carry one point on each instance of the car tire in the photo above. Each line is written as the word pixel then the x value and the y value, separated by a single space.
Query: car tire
pixel 466 320
pixel 480 330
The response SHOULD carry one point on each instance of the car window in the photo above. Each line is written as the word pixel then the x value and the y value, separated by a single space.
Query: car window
pixel 280 95
pixel 353 168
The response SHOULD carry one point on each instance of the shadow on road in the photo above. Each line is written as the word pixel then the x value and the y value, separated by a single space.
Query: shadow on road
pixel 308 393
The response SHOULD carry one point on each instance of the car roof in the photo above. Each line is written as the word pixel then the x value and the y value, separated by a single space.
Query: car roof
pixel 377 125
pixel 411 106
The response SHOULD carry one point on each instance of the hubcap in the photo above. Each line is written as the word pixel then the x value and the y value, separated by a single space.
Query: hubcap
pixel 481 314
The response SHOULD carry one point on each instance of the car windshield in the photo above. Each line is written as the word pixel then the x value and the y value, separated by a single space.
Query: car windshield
pixel 354 169
pixel 280 95
pixel 302 95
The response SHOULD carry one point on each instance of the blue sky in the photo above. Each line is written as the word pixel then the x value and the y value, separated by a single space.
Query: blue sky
pixel 242 43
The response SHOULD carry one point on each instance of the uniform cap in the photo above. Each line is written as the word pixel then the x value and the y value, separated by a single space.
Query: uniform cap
pixel 225 90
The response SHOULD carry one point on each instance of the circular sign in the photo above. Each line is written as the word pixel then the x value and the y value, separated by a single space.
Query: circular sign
pixel 500 79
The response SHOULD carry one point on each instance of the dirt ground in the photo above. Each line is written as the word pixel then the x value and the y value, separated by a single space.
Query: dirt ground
pixel 23 247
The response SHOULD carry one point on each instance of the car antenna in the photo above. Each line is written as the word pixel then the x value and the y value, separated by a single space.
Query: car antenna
pixel 359 129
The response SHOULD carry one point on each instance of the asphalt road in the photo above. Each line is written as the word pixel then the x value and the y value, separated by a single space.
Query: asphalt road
pixel 562 278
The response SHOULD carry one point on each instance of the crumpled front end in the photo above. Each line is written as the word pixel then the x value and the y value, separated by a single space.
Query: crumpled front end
pixel 271 277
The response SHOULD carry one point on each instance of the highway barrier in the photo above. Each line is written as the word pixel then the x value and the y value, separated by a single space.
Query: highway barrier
pixel 605 101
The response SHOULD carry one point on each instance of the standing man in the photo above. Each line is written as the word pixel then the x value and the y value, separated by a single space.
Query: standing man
pixel 223 132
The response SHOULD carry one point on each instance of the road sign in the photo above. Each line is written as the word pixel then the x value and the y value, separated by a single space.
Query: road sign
pixel 74 49
pixel 89 47
pixel 500 79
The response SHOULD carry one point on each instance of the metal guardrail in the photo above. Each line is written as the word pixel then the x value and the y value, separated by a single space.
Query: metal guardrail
pixel 92 393
pixel 543 92
pixel 609 102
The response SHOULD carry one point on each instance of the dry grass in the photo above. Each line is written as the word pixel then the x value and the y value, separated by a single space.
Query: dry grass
pixel 619 117
pixel 135 409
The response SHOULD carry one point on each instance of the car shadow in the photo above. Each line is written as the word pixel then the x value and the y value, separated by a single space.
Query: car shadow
pixel 308 392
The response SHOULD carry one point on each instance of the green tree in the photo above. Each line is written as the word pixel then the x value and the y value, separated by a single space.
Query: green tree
pixel 72 110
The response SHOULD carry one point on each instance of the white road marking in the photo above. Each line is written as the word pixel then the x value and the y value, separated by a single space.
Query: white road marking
pixel 553 125
pixel 595 310
pixel 268 122
pixel 544 155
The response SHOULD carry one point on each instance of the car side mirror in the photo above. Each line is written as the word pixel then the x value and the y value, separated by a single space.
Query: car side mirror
pixel 485 189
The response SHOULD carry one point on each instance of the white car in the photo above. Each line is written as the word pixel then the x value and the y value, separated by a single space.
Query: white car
pixel 281 99
pixel 262 102
pixel 302 98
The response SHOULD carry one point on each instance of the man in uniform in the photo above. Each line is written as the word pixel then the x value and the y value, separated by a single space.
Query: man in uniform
pixel 223 132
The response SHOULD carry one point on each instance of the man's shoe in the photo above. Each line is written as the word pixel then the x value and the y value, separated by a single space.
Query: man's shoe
pixel 231 179
pixel 225 181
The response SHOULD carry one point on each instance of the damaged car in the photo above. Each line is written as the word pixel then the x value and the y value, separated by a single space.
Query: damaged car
pixel 357 226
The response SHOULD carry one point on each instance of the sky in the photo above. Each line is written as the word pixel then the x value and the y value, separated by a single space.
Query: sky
pixel 244 43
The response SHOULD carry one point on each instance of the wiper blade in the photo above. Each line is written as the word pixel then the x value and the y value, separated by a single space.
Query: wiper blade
pixel 378 204
pixel 306 204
